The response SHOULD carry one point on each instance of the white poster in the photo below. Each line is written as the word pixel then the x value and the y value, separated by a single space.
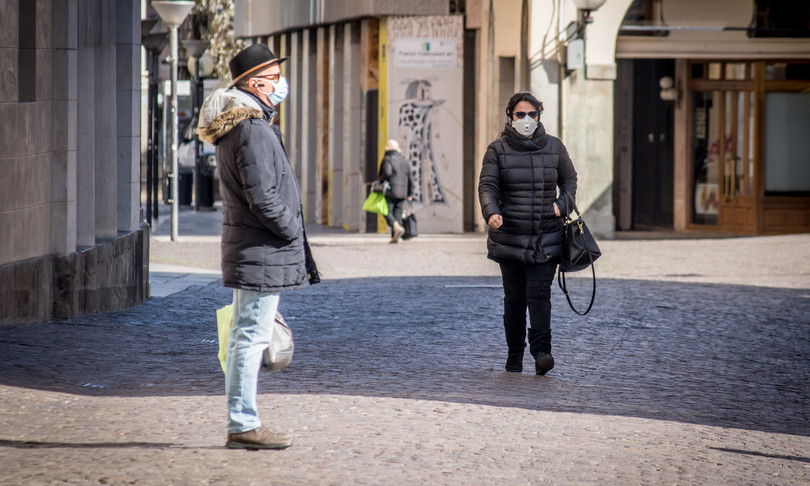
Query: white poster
pixel 425 106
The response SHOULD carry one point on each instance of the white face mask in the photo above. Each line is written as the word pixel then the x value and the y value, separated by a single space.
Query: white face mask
pixel 280 91
pixel 525 126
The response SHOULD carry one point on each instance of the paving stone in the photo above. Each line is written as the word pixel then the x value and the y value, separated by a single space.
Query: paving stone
pixel 398 378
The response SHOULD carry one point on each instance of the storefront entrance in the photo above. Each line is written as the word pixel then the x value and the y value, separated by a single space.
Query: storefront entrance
pixel 748 162
pixel 722 146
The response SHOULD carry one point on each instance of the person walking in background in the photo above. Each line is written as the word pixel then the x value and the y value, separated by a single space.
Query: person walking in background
pixel 263 239
pixel 395 170
pixel 521 173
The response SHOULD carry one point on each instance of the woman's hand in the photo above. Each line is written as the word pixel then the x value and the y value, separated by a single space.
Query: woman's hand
pixel 556 210
pixel 495 221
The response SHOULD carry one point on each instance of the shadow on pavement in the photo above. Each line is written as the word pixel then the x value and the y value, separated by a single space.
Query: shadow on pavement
pixel 762 454
pixel 27 444
pixel 727 356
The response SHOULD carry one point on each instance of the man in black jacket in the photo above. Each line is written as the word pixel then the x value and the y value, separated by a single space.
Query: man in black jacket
pixel 263 242
pixel 395 170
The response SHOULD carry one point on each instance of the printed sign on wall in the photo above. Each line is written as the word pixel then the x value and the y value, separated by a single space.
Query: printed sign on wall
pixel 425 53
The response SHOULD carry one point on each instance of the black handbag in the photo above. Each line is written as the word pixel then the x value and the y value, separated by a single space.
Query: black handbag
pixel 579 253
pixel 409 223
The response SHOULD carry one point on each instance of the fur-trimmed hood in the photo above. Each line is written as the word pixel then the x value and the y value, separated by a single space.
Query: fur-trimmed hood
pixel 223 110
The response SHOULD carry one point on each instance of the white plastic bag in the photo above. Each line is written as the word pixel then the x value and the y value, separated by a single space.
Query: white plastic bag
pixel 279 352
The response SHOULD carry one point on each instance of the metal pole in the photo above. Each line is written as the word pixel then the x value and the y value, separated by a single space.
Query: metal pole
pixel 195 97
pixel 150 152
pixel 175 173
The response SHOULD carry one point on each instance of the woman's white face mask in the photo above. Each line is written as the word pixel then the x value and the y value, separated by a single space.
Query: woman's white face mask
pixel 525 126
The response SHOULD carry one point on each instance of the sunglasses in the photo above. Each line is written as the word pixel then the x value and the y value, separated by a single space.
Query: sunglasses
pixel 522 114
pixel 272 77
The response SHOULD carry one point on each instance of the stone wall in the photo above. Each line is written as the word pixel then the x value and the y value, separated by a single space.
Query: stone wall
pixel 109 276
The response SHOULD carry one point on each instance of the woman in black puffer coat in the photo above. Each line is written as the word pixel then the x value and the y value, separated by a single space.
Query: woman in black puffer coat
pixel 518 190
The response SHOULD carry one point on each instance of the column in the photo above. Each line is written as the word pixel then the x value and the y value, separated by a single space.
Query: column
pixel 128 56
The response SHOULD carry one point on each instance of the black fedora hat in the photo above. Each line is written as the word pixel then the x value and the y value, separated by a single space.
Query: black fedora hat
pixel 252 59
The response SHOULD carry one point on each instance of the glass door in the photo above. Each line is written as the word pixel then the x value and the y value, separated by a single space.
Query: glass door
pixel 736 206
pixel 722 146
pixel 705 155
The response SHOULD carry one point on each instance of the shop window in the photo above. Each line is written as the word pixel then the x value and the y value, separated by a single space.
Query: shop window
pixel 782 71
pixel 722 71
pixel 27 51
pixel 715 70
pixel 735 71
pixel 787 146
pixel 780 18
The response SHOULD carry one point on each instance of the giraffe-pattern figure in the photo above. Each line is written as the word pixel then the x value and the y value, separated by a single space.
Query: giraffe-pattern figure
pixel 415 117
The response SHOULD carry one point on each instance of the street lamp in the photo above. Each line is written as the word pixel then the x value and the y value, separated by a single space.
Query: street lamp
pixel 172 13
pixel 154 44
pixel 575 50
pixel 195 49
pixel 585 7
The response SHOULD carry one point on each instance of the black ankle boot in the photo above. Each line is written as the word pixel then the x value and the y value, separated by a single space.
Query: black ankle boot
pixel 540 347
pixel 514 325
pixel 543 363
pixel 514 361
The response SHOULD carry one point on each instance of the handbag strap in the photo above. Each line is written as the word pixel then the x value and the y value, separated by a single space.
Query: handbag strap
pixel 563 287
pixel 561 283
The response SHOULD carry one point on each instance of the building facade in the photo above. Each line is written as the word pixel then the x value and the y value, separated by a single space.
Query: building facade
pixel 678 115
pixel 73 241
pixel 707 106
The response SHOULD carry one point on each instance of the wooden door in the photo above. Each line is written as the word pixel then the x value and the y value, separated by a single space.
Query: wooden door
pixel 736 208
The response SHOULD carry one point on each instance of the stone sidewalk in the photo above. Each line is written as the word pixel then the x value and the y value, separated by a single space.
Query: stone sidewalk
pixel 692 368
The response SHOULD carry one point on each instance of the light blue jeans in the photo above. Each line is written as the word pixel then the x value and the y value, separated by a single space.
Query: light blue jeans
pixel 251 330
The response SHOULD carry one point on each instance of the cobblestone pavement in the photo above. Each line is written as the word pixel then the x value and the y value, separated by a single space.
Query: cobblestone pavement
pixel 679 375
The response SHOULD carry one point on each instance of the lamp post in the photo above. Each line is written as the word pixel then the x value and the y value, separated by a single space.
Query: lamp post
pixel 154 44
pixel 172 13
pixel 195 49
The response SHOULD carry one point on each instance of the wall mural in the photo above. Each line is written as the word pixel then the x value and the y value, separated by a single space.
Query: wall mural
pixel 416 127
pixel 425 103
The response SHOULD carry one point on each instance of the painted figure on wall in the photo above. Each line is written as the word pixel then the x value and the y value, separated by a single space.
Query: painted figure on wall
pixel 417 130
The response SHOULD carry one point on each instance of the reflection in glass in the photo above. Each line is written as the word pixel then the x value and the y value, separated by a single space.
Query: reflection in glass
pixel 787 144
pixel 735 71
pixel 705 157
pixel 715 70
pixel 751 119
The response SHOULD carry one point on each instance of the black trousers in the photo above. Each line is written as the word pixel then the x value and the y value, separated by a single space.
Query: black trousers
pixel 395 206
pixel 527 286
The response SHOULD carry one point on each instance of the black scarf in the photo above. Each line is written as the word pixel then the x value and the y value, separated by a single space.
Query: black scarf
pixel 519 142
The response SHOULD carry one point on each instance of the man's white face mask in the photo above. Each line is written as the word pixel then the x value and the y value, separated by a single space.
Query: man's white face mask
pixel 280 91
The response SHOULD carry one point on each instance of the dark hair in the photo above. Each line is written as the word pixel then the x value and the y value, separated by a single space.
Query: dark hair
pixel 523 96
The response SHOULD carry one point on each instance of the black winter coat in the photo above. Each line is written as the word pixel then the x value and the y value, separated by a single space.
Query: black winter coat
pixel 519 180
pixel 396 170
pixel 262 224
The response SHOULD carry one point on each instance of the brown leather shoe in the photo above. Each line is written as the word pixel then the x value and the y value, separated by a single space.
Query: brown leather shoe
pixel 259 438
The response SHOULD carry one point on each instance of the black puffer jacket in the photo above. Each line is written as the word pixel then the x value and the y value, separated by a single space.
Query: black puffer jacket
pixel 262 224
pixel 519 180
pixel 396 170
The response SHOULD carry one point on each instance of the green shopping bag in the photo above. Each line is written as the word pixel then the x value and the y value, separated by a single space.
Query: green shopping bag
pixel 376 203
